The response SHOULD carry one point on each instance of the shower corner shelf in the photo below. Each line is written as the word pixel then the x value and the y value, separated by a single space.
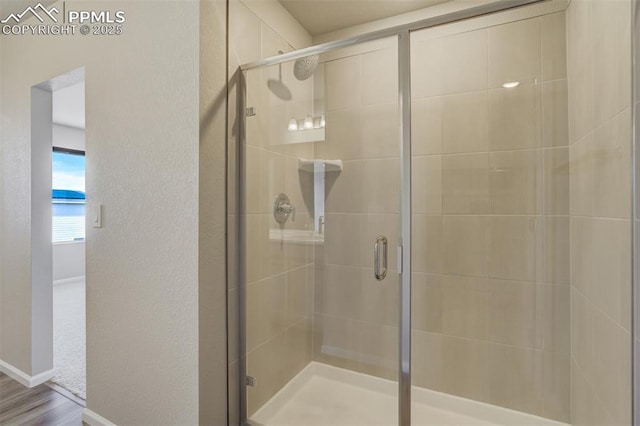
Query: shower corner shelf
pixel 322 165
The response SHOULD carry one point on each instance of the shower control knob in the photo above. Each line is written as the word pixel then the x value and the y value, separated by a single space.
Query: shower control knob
pixel 282 208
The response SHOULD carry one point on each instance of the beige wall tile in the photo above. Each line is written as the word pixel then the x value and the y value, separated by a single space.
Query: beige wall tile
pixel 555 113
pixel 380 186
pixel 581 160
pixel 607 357
pixel 582 253
pixel 380 299
pixel 245 31
pixel 625 398
pixel 515 182
pixel 426 302
pixel 343 83
pixel 464 62
pixel 556 181
pixel 557 319
pixel 380 77
pixel 298 347
pixel 343 239
pixel 266 310
pixel 453 64
pixel 581 331
pixel 516 378
pixel 514 117
pixel 343 135
pixel 606 27
pixel 465 368
pixel 272 42
pixel 606 265
pixel 514 247
pixel 582 399
pixel 296 295
pixel 426 69
pixel 465 123
pixel 427 355
pixel 515 313
pixel 579 68
pixel 380 131
pixel 426 126
pixel 514 52
pixel 625 275
pixel 267 363
pixel 344 190
pixel 465 184
pixel 340 294
pixel 272 248
pixel 379 351
pixel 554 51
pixel 466 307
pixel 556 386
pixel 427 244
pixel 337 341
pixel 426 184
pixel 272 178
pixel 466 242
pixel 611 171
pixel 556 267
pixel 624 47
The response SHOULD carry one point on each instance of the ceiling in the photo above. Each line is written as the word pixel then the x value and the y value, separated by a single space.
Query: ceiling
pixel 322 16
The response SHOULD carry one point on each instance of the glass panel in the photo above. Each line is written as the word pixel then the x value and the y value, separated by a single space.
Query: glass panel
pixel 491 247
pixel 321 183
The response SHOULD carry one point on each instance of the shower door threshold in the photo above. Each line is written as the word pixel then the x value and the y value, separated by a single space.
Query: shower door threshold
pixel 323 395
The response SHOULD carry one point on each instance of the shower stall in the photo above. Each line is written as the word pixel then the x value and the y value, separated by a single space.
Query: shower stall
pixel 430 224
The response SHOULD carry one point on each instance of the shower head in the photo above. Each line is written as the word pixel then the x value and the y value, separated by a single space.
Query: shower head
pixel 304 67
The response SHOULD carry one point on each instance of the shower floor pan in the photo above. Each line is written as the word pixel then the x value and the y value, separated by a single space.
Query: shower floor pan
pixel 322 395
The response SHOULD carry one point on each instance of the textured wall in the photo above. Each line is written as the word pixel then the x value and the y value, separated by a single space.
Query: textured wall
pixel 598 37
pixel 142 165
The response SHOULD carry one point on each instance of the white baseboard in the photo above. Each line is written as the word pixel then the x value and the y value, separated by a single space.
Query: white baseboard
pixel 23 378
pixel 94 419
pixel 69 280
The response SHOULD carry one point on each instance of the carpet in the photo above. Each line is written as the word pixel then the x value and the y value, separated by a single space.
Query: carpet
pixel 69 337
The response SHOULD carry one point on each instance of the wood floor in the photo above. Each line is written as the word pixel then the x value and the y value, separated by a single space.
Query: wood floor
pixel 36 406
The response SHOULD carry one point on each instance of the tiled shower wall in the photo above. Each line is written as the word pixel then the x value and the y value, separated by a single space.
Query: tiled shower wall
pixel 598 36
pixel 279 272
pixel 356 316
pixel 490 215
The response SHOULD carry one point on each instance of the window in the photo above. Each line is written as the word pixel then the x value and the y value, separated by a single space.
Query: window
pixel 68 195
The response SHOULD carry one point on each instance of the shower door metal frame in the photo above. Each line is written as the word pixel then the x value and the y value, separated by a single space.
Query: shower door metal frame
pixel 403 34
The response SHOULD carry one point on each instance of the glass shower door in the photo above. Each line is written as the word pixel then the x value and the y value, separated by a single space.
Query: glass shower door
pixel 320 178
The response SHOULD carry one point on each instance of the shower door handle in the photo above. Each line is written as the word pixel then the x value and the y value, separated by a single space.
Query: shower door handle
pixel 380 258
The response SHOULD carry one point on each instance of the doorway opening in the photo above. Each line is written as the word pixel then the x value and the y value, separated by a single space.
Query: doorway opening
pixel 68 238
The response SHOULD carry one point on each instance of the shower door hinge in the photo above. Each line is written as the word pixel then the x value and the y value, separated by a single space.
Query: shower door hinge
pixel 399 259
pixel 251 381
pixel 251 111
